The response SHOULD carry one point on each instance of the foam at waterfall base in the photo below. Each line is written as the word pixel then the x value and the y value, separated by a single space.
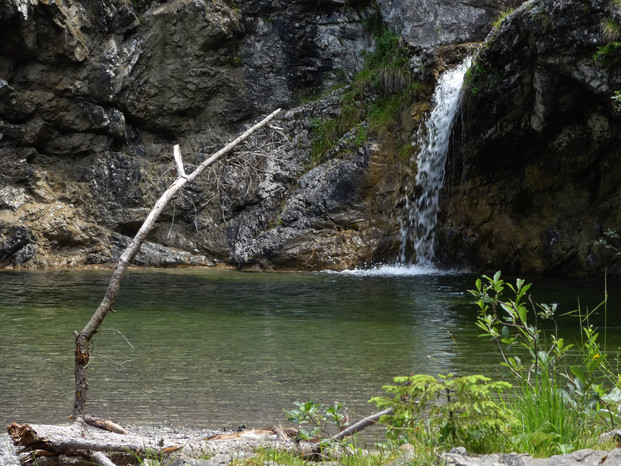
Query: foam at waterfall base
pixel 397 270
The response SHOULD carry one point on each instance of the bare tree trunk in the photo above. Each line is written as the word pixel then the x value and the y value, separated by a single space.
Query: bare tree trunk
pixel 83 338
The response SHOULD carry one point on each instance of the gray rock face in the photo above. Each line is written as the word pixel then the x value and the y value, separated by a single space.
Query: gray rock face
pixel 300 48
pixel 459 457
pixel 94 94
pixel 326 219
pixel 183 67
pixel 534 179
pixel 426 23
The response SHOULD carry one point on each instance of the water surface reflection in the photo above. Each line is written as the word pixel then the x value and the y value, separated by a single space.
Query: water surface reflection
pixel 213 348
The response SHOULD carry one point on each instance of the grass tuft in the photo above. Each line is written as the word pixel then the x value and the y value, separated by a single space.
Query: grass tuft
pixel 376 96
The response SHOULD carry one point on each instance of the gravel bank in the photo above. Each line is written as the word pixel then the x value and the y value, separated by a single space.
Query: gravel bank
pixel 222 452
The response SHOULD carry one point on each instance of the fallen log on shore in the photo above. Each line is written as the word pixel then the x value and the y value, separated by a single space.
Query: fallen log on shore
pixel 97 441
pixel 80 443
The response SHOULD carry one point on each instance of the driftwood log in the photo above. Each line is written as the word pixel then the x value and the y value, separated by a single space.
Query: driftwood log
pixel 79 443
pixel 87 443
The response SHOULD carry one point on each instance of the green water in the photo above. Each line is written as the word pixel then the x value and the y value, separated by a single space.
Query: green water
pixel 213 348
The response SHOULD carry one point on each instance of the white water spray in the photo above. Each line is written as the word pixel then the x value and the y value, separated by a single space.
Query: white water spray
pixel 421 213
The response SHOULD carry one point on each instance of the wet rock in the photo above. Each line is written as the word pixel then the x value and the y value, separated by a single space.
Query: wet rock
pixel 533 181
pixel 16 247
pixel 156 255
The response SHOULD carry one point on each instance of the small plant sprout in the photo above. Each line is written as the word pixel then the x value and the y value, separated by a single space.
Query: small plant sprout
pixel 314 419
pixel 503 15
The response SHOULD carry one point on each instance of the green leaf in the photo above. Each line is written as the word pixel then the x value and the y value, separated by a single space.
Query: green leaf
pixel 543 357
pixel 614 396
pixel 579 373
pixel 519 283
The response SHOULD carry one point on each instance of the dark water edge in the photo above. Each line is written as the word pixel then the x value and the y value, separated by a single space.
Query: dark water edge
pixel 219 348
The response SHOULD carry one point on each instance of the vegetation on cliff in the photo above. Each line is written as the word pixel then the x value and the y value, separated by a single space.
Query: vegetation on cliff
pixel 378 93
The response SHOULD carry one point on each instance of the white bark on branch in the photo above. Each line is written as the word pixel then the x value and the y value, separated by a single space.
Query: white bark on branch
pixel 178 161
pixel 101 459
pixel 78 439
pixel 362 424
pixel 82 353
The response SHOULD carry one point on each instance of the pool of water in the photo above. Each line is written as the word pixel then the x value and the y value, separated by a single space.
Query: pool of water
pixel 219 348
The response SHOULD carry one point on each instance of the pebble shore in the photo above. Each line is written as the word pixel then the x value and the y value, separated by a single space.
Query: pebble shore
pixel 222 452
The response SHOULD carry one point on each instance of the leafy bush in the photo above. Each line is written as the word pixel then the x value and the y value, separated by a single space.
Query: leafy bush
pixel 562 406
pixel 562 395
pixel 559 396
pixel 317 417
pixel 447 410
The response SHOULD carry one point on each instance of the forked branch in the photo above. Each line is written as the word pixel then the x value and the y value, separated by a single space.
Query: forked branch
pixel 83 338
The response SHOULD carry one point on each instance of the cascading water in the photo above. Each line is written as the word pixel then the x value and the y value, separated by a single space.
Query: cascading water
pixel 421 209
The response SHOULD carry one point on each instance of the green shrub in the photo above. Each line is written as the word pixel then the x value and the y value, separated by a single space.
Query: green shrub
pixel 317 417
pixel 609 54
pixel 447 411
pixel 562 405
pixel 564 395
pixel 558 397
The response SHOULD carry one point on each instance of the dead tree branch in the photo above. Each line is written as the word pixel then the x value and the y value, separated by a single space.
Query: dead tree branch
pixel 83 338
pixel 362 424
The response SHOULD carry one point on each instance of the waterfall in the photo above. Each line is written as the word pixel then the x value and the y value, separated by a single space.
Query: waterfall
pixel 421 203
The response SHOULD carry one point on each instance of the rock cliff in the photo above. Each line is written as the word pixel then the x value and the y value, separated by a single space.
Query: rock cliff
pixel 533 180
pixel 94 94
pixel 427 23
